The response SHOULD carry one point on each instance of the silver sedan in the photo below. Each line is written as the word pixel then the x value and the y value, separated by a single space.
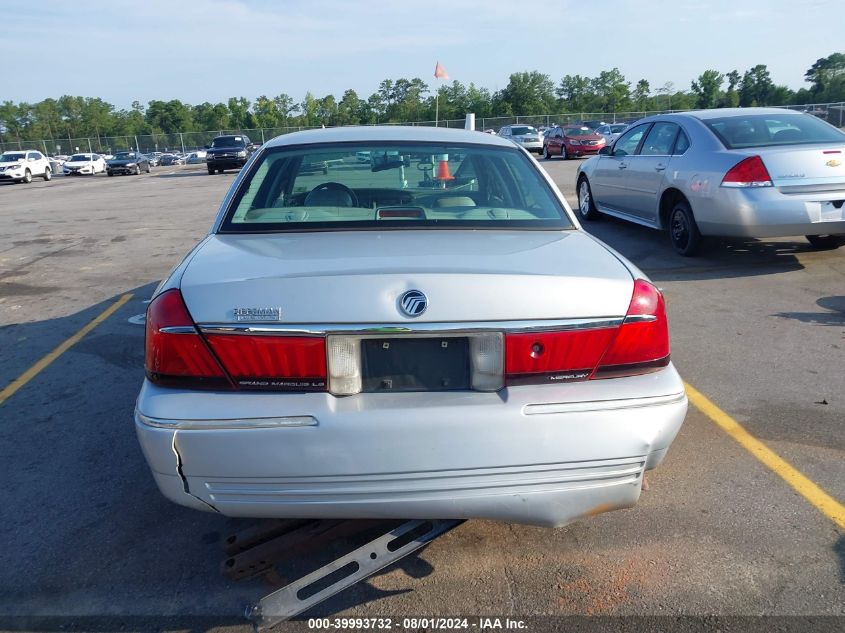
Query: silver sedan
pixel 429 334
pixel 750 172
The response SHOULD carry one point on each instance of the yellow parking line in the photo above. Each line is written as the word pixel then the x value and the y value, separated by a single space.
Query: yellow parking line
pixel 826 504
pixel 38 367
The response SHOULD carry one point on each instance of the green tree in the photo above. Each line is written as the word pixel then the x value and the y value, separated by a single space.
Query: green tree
pixel 528 93
pixel 169 117
pixel 240 116
pixel 706 89
pixel 827 76
pixel 573 92
pixel 756 87
pixel 731 97
pixel 640 95
pixel 613 92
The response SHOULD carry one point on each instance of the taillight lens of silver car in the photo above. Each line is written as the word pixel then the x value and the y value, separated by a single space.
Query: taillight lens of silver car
pixel 178 355
pixel 175 353
pixel 640 345
pixel 749 172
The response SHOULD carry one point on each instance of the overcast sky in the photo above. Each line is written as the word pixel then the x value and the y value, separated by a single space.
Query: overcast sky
pixel 210 50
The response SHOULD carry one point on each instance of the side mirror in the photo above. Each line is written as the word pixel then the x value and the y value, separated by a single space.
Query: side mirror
pixel 606 151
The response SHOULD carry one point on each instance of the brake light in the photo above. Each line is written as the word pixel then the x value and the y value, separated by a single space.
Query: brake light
pixel 554 356
pixel 174 352
pixel 642 342
pixel 281 363
pixel 749 172
pixel 640 345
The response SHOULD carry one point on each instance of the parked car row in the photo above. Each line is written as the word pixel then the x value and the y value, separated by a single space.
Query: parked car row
pixel 226 152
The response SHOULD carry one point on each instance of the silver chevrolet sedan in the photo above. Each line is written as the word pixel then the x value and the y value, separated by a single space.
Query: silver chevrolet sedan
pixel 744 172
pixel 427 335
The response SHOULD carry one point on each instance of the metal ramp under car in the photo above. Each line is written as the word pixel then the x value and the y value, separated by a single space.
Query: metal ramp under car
pixel 256 552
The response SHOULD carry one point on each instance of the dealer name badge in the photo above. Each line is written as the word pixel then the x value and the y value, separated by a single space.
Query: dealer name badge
pixel 258 314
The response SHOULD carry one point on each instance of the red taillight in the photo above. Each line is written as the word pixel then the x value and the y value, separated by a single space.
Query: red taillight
pixel 642 342
pixel 554 356
pixel 284 363
pixel 750 172
pixel 174 352
pixel 640 345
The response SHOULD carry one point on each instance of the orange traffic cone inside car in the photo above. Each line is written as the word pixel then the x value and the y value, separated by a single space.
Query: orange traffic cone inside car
pixel 443 171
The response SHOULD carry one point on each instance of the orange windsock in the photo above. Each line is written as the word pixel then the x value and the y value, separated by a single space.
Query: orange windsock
pixel 443 171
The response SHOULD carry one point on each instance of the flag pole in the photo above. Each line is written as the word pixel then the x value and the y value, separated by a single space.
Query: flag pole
pixel 439 73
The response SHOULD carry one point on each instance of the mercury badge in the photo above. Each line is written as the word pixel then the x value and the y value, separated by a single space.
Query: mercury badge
pixel 258 314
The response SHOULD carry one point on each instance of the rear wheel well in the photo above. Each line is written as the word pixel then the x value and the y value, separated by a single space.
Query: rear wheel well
pixel 667 200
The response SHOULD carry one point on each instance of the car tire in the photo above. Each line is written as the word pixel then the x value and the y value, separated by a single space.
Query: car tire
pixel 826 242
pixel 48 174
pixel 586 206
pixel 148 168
pixel 27 176
pixel 546 155
pixel 109 172
pixel 211 171
pixel 683 230
pixel 563 153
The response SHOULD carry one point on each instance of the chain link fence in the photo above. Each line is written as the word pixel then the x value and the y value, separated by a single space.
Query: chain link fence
pixel 833 113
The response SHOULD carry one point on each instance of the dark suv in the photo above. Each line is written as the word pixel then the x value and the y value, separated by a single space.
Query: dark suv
pixel 228 152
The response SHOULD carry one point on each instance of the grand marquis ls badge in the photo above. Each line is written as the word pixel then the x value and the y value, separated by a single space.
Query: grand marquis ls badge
pixel 413 303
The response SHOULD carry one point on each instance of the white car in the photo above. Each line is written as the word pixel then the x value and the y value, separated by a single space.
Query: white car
pixel 523 135
pixel 24 165
pixel 428 336
pixel 78 164
pixel 611 131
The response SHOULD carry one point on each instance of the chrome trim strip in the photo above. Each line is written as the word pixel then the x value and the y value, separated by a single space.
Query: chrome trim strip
pixel 603 405
pixel 320 329
pixel 640 318
pixel 178 329
pixel 237 423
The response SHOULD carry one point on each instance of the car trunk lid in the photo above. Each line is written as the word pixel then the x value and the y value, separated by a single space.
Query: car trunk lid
pixel 358 276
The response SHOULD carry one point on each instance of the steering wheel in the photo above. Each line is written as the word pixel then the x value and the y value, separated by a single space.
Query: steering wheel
pixel 326 194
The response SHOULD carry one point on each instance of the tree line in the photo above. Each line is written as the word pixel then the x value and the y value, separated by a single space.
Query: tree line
pixel 405 100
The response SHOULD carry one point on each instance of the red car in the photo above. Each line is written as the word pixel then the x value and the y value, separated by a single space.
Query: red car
pixel 572 140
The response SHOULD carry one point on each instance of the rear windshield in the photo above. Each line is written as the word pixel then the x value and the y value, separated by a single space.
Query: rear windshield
pixel 525 129
pixel 763 130
pixel 228 141
pixel 616 129
pixel 124 155
pixel 379 186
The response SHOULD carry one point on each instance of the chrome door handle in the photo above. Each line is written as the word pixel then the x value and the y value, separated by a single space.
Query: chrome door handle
pixel 660 168
pixel 623 166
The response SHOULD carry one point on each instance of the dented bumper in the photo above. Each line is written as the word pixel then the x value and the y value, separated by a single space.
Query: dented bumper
pixel 543 455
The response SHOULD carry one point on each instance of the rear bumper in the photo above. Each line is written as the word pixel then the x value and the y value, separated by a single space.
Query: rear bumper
pixel 766 212
pixel 543 455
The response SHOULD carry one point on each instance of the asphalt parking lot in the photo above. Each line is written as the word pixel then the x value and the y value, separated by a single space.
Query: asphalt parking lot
pixel 758 328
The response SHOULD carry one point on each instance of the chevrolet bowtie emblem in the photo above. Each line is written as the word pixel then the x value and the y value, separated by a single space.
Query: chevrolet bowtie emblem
pixel 833 163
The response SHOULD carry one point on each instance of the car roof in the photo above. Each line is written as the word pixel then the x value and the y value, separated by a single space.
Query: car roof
pixel 719 113
pixel 369 133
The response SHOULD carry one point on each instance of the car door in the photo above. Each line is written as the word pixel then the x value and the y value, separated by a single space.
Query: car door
pixel 607 181
pixel 36 167
pixel 647 170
